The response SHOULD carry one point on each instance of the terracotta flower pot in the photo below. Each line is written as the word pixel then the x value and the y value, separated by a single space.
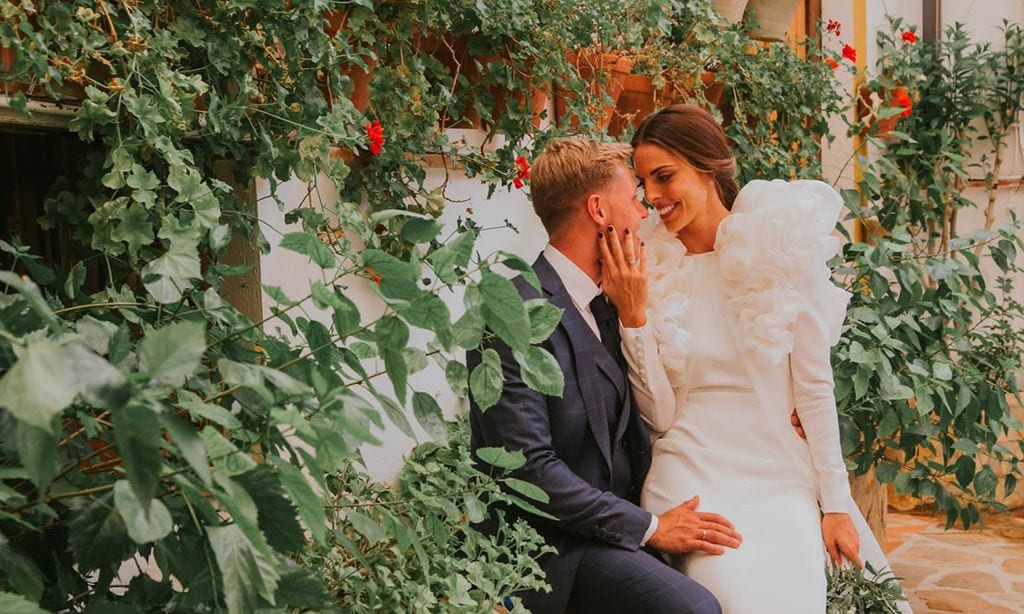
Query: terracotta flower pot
pixel 683 90
pixel 731 10
pixel 891 97
pixel 773 18
pixel 635 103
pixel 606 73
pixel 453 53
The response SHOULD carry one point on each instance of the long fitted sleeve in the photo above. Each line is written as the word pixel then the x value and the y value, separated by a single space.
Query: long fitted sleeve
pixel 813 394
pixel 655 397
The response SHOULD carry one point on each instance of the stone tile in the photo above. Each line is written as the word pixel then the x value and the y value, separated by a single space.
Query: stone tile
pixel 1014 566
pixel 940 556
pixel 912 575
pixel 974 581
pixel 960 601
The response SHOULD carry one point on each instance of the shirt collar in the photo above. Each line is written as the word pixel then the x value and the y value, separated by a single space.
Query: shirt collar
pixel 579 285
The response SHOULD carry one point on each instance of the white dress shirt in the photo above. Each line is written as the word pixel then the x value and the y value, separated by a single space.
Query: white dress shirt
pixel 582 290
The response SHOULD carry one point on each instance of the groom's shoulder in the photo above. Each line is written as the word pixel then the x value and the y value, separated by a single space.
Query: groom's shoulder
pixel 526 289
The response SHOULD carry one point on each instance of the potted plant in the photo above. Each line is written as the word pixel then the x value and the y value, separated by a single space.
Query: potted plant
pixel 605 72
pixel 772 18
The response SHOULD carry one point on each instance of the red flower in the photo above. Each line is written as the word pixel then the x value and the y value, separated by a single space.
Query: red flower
pixel 850 53
pixel 902 99
pixel 831 63
pixel 375 132
pixel 522 172
pixel 375 277
pixel 833 26
pixel 909 36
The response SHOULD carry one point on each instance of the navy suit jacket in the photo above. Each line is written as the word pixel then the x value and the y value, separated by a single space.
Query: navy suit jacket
pixel 567 441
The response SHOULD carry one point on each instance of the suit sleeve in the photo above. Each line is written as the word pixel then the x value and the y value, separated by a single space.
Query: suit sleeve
pixel 520 421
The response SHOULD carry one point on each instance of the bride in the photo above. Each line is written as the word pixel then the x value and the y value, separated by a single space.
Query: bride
pixel 728 315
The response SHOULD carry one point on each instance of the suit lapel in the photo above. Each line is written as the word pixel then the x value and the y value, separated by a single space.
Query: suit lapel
pixel 587 350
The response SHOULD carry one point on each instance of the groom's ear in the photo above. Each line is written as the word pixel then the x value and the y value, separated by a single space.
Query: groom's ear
pixel 597 209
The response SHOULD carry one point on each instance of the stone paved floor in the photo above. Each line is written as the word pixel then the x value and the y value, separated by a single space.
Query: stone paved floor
pixel 979 571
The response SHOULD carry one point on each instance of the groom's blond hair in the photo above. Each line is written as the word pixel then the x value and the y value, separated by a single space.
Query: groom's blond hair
pixel 567 171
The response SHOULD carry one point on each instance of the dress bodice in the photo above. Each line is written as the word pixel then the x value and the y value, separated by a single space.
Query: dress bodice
pixel 715 362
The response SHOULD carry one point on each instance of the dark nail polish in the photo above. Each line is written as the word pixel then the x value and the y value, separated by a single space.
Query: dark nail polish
pixel 600 235
pixel 627 232
pixel 611 229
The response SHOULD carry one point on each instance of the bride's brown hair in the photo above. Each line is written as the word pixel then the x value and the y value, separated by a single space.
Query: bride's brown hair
pixel 691 132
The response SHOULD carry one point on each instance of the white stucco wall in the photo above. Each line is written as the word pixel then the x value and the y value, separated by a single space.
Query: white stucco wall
pixel 293 272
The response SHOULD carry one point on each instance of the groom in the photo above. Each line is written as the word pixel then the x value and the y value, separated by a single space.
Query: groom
pixel 589 449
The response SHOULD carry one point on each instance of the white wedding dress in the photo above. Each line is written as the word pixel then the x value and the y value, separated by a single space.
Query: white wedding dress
pixel 737 337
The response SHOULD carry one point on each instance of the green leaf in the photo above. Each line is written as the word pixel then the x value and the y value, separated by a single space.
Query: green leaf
pixel 985 482
pixel 502 298
pixel 529 507
pixel 301 589
pixel 965 470
pixel 397 416
pixel 967 446
pixel 97 535
pixel 458 377
pixel 420 230
pixel 516 263
pixel 172 352
pixel 277 517
pixel 528 490
pixel 544 318
pixel 138 441
pixel 428 414
pixel 144 525
pixel 22 572
pixel 502 458
pixel 487 380
pixel 456 253
pixel 207 411
pixel 309 504
pixel 398 279
pixel 428 312
pixel 369 529
pixel 30 292
pixel 135 227
pixel 39 385
pixel 172 273
pixel 224 455
pixel 242 509
pixel 11 603
pixel 37 451
pixel 392 338
pixel 98 381
pixel 308 244
pixel 239 569
pixel 541 371
pixel 189 444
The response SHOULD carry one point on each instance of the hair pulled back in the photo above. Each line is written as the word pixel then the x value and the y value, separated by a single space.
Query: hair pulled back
pixel 692 133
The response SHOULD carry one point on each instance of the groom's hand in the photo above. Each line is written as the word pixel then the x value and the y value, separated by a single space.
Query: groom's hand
pixel 684 529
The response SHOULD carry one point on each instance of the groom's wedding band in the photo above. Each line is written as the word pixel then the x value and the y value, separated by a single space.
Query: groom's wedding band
pixel 704 537
pixel 632 262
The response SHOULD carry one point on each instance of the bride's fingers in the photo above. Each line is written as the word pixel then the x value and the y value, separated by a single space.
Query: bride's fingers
pixel 643 258
pixel 606 255
pixel 833 553
pixel 628 251
pixel 615 246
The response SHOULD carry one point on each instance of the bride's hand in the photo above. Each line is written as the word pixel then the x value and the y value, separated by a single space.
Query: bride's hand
pixel 841 539
pixel 624 275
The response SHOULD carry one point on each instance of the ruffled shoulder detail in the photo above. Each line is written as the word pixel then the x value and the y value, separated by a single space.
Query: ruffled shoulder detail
pixel 773 252
pixel 668 308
